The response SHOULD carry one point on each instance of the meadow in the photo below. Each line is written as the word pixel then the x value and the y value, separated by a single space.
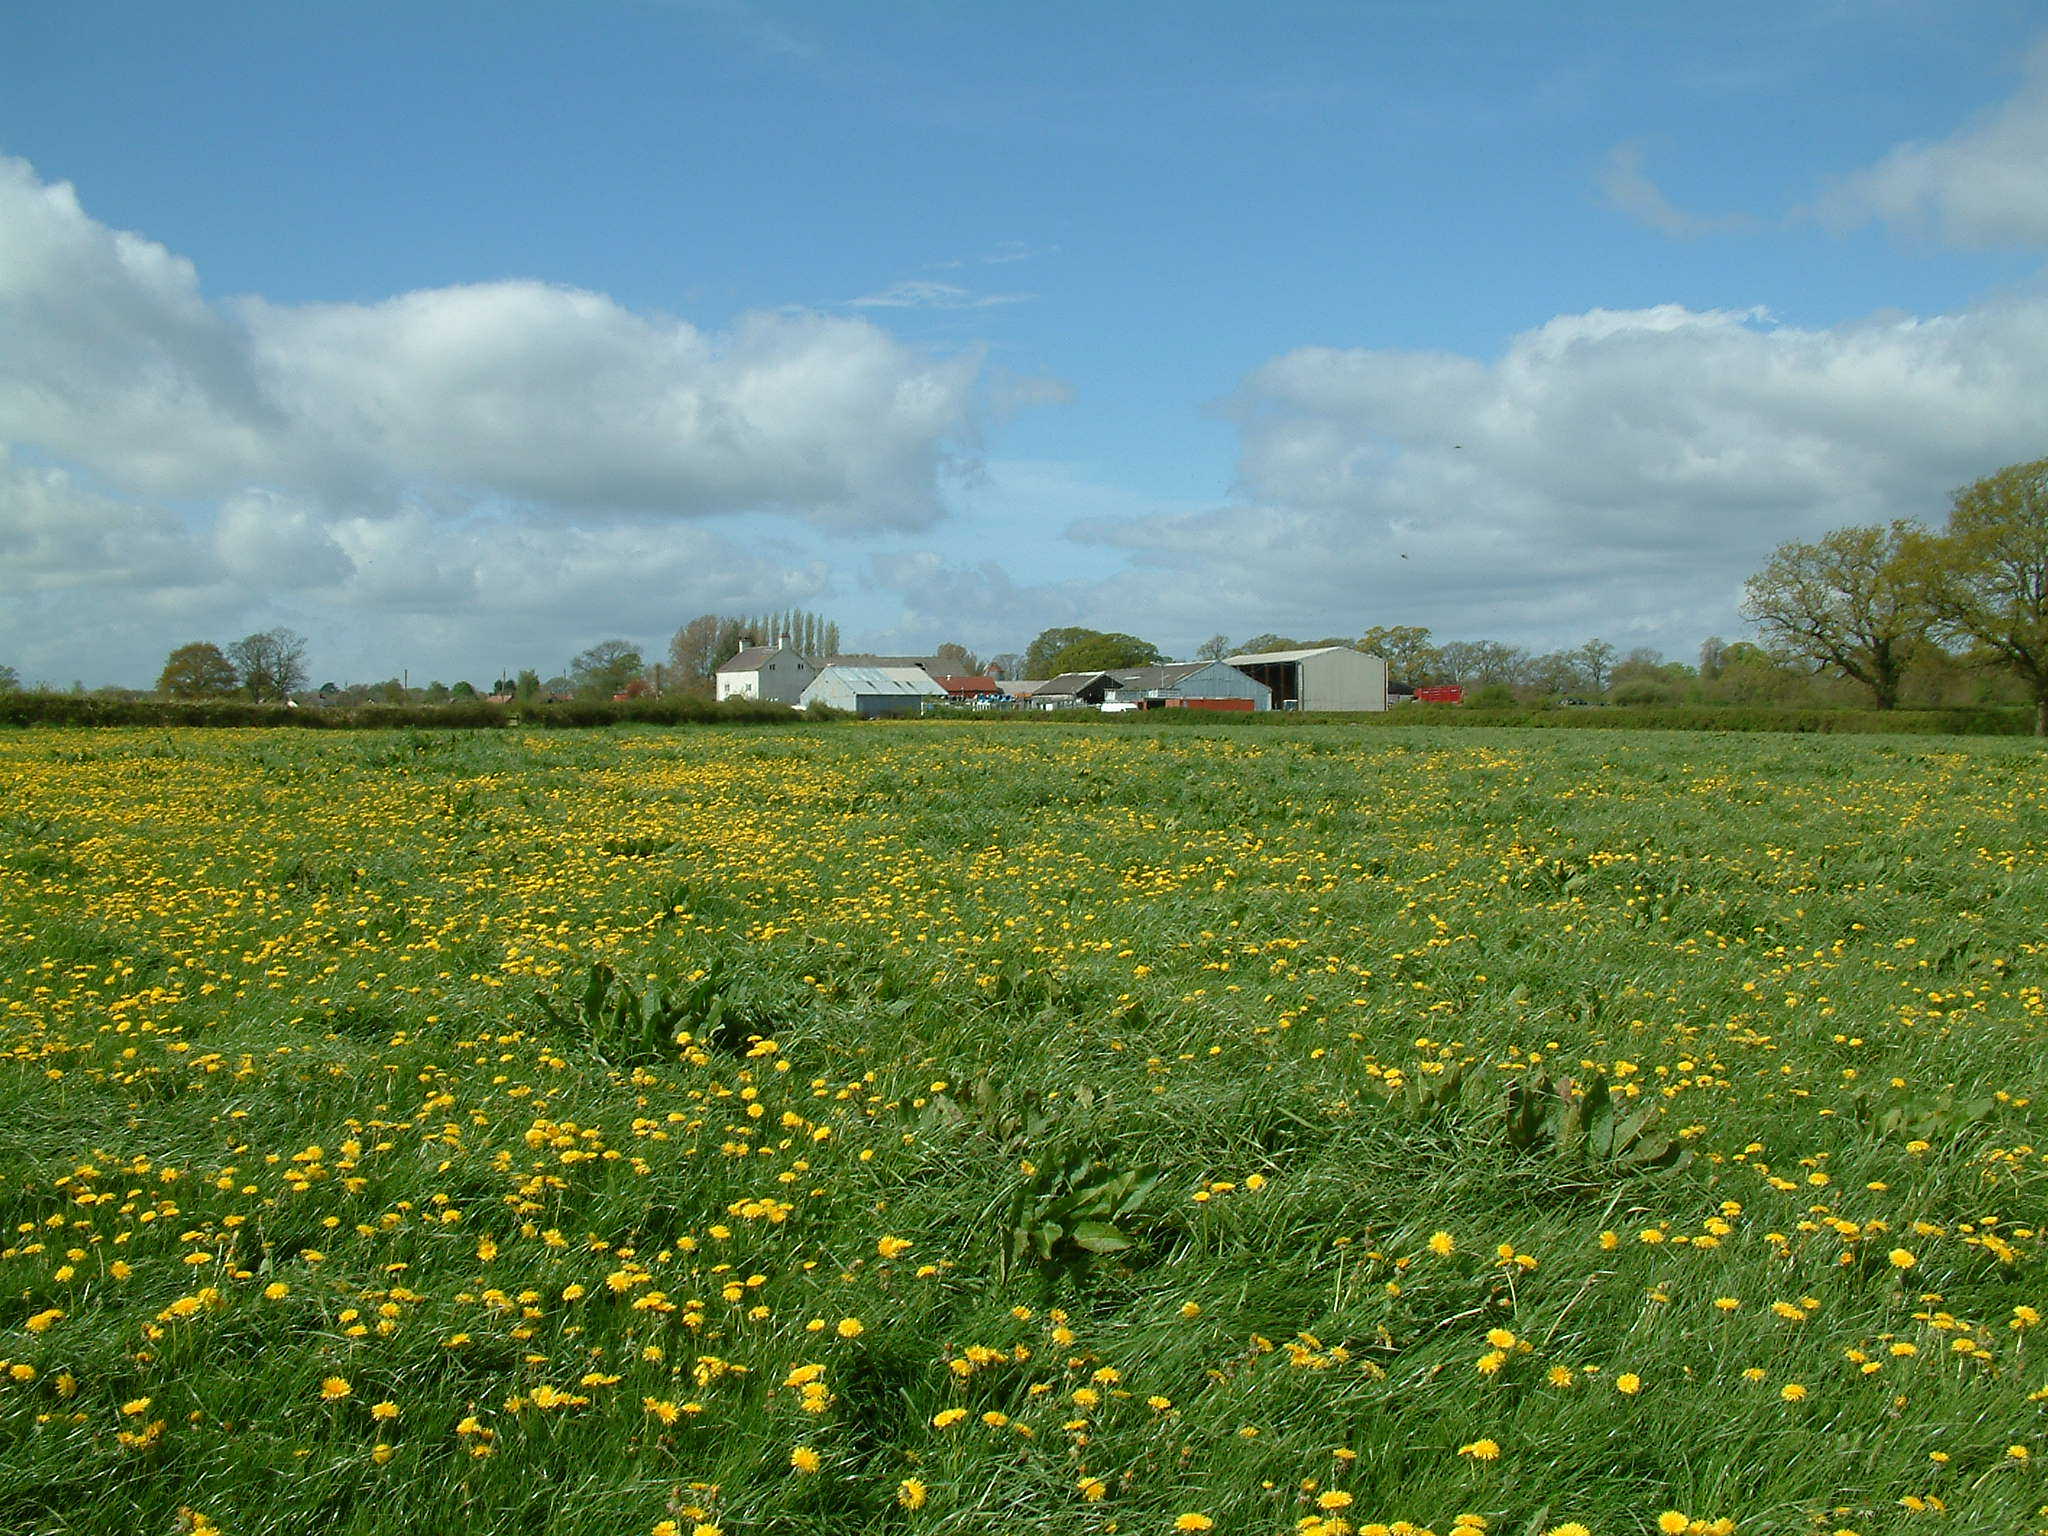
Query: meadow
pixel 925 1128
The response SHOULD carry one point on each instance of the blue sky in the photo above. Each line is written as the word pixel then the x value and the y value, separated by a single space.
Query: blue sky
pixel 458 337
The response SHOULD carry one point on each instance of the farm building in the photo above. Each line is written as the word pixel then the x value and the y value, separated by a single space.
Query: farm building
pixel 872 691
pixel 1190 683
pixel 1325 677
pixel 1071 690
pixel 774 672
pixel 971 690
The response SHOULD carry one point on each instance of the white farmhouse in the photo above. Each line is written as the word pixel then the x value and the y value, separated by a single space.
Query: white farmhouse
pixel 1322 677
pixel 773 672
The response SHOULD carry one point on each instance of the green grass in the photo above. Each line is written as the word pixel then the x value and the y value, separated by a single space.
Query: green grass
pixel 1086 1071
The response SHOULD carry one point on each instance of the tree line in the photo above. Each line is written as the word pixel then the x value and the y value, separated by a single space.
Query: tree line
pixel 1896 612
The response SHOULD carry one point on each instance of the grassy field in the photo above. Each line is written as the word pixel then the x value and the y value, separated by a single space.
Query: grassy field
pixel 936 1129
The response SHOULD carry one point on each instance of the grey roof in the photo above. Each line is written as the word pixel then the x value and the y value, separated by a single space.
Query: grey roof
pixel 1159 677
pixel 755 656
pixel 1070 683
pixel 858 659
pixel 1023 687
pixel 1314 650
pixel 880 680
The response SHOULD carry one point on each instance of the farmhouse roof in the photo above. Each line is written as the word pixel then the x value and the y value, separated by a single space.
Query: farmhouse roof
pixel 751 659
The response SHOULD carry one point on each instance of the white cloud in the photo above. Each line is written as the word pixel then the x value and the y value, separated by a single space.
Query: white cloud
pixel 1628 187
pixel 923 294
pixel 116 362
pixel 1617 472
pixel 1985 185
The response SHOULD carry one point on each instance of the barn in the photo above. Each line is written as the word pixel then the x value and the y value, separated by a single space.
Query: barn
pixel 873 691
pixel 1320 678
pixel 1190 683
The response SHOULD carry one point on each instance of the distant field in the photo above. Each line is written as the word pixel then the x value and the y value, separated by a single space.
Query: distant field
pixel 1037 1130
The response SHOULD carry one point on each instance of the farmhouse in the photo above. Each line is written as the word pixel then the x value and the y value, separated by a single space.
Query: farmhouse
pixel 1324 677
pixel 1190 684
pixel 773 672
pixel 873 691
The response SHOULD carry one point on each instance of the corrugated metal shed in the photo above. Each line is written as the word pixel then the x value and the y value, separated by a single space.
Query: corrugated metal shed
pixel 1320 677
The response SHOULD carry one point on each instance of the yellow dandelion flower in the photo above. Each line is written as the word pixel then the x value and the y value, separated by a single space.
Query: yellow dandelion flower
pixel 911 1493
pixel 1481 1450
pixel 1093 1489
pixel 384 1410
pixel 1792 1392
pixel 1193 1520
pixel 1628 1383
pixel 335 1388
pixel 1672 1523
pixel 1901 1258
pixel 948 1417
pixel 804 1459
pixel 850 1328
pixel 1442 1244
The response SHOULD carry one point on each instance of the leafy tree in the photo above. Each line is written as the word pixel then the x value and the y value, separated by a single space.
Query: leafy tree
pixel 1268 642
pixel 197 671
pixel 1846 601
pixel 1005 664
pixel 1984 580
pixel 1410 656
pixel 271 663
pixel 527 689
pixel 10 680
pixel 605 668
pixel 1215 648
pixel 1038 656
pixel 462 691
pixel 1103 653
pixel 437 692
pixel 1713 651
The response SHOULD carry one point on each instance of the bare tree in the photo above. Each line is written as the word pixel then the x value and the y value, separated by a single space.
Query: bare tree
pixel 271 664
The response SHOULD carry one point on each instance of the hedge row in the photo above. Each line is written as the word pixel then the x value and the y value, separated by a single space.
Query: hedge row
pixel 1683 717
pixel 469 715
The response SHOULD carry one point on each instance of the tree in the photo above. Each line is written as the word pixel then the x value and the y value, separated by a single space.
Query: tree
pixel 10 680
pixel 1480 663
pixel 1103 653
pixel 1005 664
pixel 1596 664
pixel 1259 644
pixel 694 651
pixel 1984 580
pixel 1407 650
pixel 271 664
pixel 1039 654
pixel 463 691
pixel 1845 601
pixel 605 668
pixel 955 660
pixel 437 693
pixel 197 671
pixel 1215 648
pixel 527 689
